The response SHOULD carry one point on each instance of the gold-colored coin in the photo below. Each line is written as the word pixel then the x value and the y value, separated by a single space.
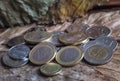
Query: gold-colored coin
pixel 37 37
pixel 69 56
pixel 74 38
pixel 42 53
pixel 50 69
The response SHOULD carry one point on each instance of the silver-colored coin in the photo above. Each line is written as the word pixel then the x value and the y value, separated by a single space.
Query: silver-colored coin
pixel 97 31
pixel 12 62
pixel 19 51
pixel 107 41
pixel 55 38
pixel 98 54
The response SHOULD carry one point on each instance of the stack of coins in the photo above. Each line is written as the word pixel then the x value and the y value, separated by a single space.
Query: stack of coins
pixel 16 56
pixel 67 49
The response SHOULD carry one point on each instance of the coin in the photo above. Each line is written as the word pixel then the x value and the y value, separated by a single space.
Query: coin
pixel 55 38
pixel 107 41
pixel 75 38
pixel 98 54
pixel 50 69
pixel 37 37
pixel 12 62
pixel 69 56
pixel 97 31
pixel 77 27
pixel 15 41
pixel 42 53
pixel 39 29
pixel 19 51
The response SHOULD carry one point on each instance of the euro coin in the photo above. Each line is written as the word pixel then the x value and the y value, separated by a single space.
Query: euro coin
pixel 19 51
pixel 12 62
pixel 75 38
pixel 42 53
pixel 98 54
pixel 50 69
pixel 97 31
pixel 36 37
pixel 69 56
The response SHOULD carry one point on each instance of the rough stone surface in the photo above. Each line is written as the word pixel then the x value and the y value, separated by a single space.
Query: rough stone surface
pixel 20 12
pixel 80 72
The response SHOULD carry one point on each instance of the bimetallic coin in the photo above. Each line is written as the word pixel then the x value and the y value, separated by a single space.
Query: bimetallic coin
pixel 107 41
pixel 98 54
pixel 37 37
pixel 12 62
pixel 97 31
pixel 50 69
pixel 15 41
pixel 69 56
pixel 42 53
pixel 75 38
pixel 19 51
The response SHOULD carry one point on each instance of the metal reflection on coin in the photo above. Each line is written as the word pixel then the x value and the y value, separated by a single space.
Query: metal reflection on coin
pixel 98 54
pixel 97 31
pixel 75 38
pixel 19 51
pixel 107 41
pixel 12 62
pixel 15 41
pixel 37 37
pixel 69 56
pixel 42 53
pixel 50 69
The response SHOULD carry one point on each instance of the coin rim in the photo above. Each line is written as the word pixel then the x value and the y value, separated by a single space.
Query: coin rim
pixel 76 61
pixel 51 57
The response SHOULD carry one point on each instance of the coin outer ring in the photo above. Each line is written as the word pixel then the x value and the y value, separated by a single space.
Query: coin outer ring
pixel 85 38
pixel 46 38
pixel 4 60
pixel 70 63
pixel 98 62
pixel 104 27
pixel 43 71
pixel 12 56
pixel 38 46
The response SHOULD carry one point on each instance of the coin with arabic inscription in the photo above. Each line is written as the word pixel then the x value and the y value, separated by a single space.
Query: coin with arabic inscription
pixel 12 62
pixel 42 53
pixel 107 41
pixel 50 69
pixel 97 31
pixel 69 56
pixel 98 54
pixel 19 51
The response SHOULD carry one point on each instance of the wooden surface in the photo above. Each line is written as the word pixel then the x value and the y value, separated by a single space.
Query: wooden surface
pixel 80 72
